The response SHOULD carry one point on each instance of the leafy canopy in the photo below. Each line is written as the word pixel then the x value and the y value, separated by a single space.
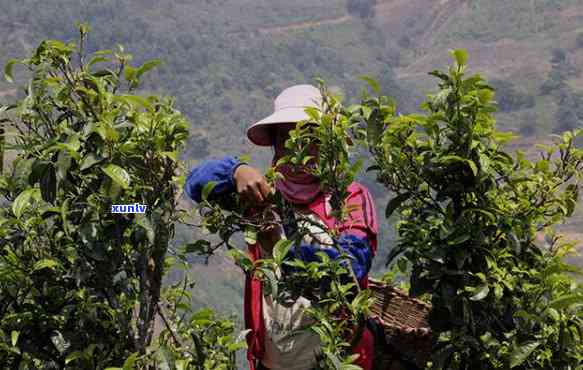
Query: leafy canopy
pixel 470 214
pixel 81 286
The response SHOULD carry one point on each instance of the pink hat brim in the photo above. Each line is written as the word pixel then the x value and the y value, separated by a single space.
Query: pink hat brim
pixel 260 134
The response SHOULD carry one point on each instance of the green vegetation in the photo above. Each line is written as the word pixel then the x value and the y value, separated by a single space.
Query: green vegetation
pixel 223 71
pixel 361 8
pixel 470 214
pixel 510 98
pixel 490 20
pixel 81 286
pixel 569 113
pixel 225 61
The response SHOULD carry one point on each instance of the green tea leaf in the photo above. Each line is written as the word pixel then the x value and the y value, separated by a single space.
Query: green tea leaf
pixel 473 167
pixel 8 70
pixel 98 59
pixel 59 341
pixel 89 160
pixel 480 293
pixel 130 361
pixel 395 203
pixel 273 285
pixel 143 221
pixel 14 337
pixel 72 357
pixel 46 263
pixel 460 239
pixel 281 249
pixel 241 259
pixel 375 86
pixel 566 301
pixel 183 364
pixel 147 67
pixel 350 367
pixel 23 201
pixel 134 101
pixel 250 235
pixel 199 246
pixel 522 352
pixel 356 167
pixel 207 189
pixel 504 137
pixel 460 56
pixel 117 174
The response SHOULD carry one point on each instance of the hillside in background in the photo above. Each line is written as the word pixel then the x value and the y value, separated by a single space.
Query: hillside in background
pixel 225 61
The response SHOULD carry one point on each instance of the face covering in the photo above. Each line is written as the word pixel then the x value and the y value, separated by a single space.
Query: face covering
pixel 298 185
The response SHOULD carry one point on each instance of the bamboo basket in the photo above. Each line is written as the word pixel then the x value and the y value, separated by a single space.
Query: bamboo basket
pixel 405 324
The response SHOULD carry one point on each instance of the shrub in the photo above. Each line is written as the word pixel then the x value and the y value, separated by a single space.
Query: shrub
pixel 80 285
pixel 509 98
pixel 470 214
pixel 361 8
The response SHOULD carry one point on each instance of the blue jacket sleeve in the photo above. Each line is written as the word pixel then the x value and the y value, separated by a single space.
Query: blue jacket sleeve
pixel 218 170
pixel 357 248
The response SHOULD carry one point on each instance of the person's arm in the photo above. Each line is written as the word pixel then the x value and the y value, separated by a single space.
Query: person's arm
pixel 357 247
pixel 220 171
pixel 358 237
pixel 229 174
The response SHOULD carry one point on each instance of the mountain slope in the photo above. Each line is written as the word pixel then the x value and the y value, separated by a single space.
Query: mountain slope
pixel 225 61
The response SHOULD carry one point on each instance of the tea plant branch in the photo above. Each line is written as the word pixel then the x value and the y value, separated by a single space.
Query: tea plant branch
pixel 170 330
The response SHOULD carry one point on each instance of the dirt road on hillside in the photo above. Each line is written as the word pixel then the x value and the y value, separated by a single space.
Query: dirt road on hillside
pixel 303 25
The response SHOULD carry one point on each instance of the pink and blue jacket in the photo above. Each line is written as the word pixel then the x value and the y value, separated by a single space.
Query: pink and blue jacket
pixel 357 238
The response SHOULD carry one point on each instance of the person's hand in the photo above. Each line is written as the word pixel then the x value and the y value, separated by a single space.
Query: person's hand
pixel 251 184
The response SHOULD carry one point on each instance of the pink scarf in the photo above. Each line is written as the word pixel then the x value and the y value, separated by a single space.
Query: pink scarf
pixel 299 186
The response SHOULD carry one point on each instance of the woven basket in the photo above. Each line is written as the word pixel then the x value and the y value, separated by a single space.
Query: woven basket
pixel 405 323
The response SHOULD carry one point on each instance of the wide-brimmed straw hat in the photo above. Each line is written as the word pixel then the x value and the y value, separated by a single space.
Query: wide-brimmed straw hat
pixel 289 107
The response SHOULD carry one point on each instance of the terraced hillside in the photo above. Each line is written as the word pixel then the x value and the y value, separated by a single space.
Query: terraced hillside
pixel 225 60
